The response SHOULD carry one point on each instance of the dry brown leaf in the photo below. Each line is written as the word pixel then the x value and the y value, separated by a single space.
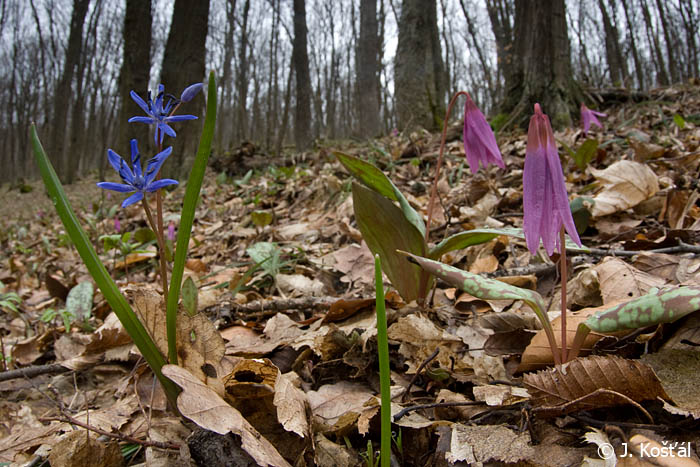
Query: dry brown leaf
pixel 332 401
pixel 199 342
pixel 620 281
pixel 134 258
pixel 574 388
pixel 625 184
pixel 645 448
pixel 330 453
pixel 79 448
pixel 342 309
pixel 251 379
pixel 203 406
pixel 291 405
pixel 679 373
pixel 498 394
pixel 474 444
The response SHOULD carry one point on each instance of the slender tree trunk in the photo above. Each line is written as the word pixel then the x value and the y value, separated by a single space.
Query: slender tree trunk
pixel 135 74
pixel 64 95
pixel 633 45
pixel 242 78
pixel 613 53
pixel 300 62
pixel 224 109
pixel 419 78
pixel 671 53
pixel 501 14
pixel 542 65
pixel 661 75
pixel 479 51
pixel 183 64
pixel 368 70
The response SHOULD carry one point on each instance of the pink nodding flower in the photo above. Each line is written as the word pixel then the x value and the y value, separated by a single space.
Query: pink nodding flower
pixel 479 141
pixel 545 201
pixel 117 224
pixel 589 116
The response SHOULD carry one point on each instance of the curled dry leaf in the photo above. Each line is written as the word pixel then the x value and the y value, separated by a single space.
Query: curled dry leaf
pixel 620 281
pixel 291 405
pixel 577 386
pixel 207 409
pixel 625 184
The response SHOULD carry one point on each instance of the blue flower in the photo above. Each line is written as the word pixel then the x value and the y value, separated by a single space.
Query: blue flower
pixel 159 113
pixel 134 180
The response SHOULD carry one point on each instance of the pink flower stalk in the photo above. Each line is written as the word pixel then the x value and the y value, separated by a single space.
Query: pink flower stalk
pixel 117 224
pixel 479 141
pixel 589 116
pixel 171 231
pixel 545 201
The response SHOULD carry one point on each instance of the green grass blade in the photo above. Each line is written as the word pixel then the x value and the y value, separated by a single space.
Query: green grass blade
pixel 189 205
pixel 384 371
pixel 97 270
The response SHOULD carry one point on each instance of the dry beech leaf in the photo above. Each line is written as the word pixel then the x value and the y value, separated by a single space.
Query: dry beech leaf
pixel 625 184
pixel 620 281
pixel 291 405
pixel 343 309
pixel 78 449
pixel 251 379
pixel 199 344
pixel 207 409
pixel 554 389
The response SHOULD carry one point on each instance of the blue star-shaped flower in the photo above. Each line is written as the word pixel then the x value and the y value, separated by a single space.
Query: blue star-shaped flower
pixel 134 180
pixel 159 113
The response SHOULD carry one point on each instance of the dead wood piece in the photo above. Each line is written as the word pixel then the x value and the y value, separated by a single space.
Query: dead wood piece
pixel 32 371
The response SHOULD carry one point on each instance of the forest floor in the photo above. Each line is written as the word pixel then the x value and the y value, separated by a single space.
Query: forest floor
pixel 295 347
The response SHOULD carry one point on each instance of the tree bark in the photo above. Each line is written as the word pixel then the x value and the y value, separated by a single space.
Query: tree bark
pixel 242 79
pixel 613 53
pixel 633 45
pixel 62 98
pixel 670 50
pixel 300 62
pixel 183 64
pixel 500 15
pixel 135 73
pixel 542 64
pixel 419 76
pixel 661 75
pixel 368 70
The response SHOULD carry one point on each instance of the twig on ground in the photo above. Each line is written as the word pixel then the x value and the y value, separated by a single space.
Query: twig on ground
pixel 413 408
pixel 129 439
pixel 32 371
pixel 418 372
pixel 266 308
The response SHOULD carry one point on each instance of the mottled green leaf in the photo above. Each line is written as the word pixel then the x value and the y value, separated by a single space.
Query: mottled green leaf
pixel 79 300
pixel 189 296
pixel 488 289
pixel 660 306
pixel 385 229
pixel 375 179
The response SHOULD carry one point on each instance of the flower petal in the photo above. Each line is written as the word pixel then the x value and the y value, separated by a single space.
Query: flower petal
pixel 141 103
pixel 158 184
pixel 480 144
pixel 120 187
pixel 114 159
pixel 191 91
pixel 135 158
pixel 148 120
pixel 154 165
pixel 179 118
pixel 135 198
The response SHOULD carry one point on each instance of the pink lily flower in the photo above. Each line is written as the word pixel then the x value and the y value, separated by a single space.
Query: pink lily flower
pixel 479 141
pixel 171 231
pixel 545 201
pixel 589 116
pixel 117 224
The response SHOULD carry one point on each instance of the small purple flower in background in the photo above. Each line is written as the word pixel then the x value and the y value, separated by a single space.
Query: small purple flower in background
pixel 40 214
pixel 545 201
pixel 480 144
pixel 395 132
pixel 589 116
pixel 159 111
pixel 134 180
pixel 117 224
pixel 171 231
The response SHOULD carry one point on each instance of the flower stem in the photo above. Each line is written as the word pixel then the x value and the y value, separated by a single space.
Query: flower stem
pixel 563 276
pixel 438 165
pixel 161 249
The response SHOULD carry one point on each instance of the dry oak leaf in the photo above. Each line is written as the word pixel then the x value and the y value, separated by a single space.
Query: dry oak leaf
pixel 207 409
pixel 625 184
pixel 578 385
pixel 620 281
pixel 291 405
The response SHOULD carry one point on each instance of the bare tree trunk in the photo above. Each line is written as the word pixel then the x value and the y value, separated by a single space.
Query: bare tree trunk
pixel 670 50
pixel 501 14
pixel 242 79
pixel 135 73
pixel 633 44
pixel 690 24
pixel 272 87
pixel 368 70
pixel 542 68
pixel 300 62
pixel 419 77
pixel 63 95
pixel 661 75
pixel 224 109
pixel 616 63
pixel 183 64
pixel 479 51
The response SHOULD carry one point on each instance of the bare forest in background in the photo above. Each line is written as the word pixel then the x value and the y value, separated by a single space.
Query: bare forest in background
pixel 298 71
